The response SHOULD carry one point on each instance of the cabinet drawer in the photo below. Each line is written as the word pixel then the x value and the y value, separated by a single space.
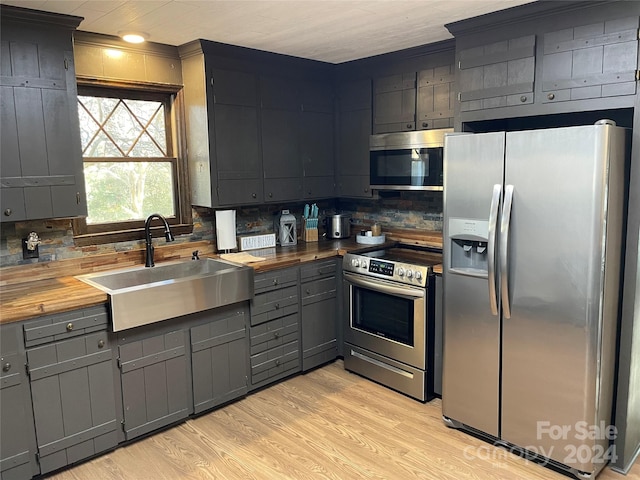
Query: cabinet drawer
pixel 274 333
pixel 317 270
pixel 268 281
pixel 66 325
pixel 318 290
pixel 272 305
pixel 275 362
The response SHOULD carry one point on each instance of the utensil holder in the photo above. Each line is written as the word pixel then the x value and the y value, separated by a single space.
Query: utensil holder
pixel 309 229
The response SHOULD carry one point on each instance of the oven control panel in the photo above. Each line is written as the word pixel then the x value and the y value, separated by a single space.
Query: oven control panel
pixel 391 270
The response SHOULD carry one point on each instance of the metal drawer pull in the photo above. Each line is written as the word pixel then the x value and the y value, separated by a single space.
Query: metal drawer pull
pixel 276 334
pixel 277 306
pixel 6 367
pixel 277 362
pixel 100 343
pixel 69 326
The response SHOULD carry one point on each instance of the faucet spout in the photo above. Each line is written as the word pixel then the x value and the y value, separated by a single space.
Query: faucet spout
pixel 147 235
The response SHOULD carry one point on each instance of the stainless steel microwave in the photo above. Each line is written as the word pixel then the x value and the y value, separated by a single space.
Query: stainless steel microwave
pixel 407 160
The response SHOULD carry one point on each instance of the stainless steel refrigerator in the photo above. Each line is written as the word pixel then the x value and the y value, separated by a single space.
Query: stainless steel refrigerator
pixel 532 232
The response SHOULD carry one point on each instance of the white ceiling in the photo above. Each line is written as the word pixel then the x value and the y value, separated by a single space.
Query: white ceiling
pixel 333 31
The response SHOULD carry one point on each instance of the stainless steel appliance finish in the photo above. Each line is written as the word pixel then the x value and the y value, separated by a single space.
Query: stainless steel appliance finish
pixel 338 226
pixel 140 295
pixel 407 160
pixel 532 241
pixel 389 330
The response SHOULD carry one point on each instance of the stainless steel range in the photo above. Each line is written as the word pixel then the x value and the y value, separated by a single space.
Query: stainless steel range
pixel 389 327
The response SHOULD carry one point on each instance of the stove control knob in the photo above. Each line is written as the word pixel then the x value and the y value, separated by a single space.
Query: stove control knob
pixel 364 264
pixel 401 272
pixel 355 262
pixel 409 273
pixel 418 276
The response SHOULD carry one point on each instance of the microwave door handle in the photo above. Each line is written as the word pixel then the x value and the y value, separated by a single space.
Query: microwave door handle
pixel 384 287
pixel 491 248
pixel 504 250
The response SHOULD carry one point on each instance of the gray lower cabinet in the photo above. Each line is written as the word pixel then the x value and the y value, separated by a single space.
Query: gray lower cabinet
pixel 219 357
pixel 155 374
pixel 70 365
pixel 17 434
pixel 319 313
pixel 274 337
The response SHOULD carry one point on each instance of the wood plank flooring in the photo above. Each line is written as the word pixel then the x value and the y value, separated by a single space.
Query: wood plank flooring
pixel 328 423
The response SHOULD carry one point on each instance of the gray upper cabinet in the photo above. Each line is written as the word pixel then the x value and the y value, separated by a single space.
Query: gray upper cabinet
pixel 394 103
pixel 353 132
pixel 71 371
pixel 547 58
pixel 237 137
pixel 317 140
pixel 436 97
pixel 17 434
pixel 259 126
pixel 41 170
pixel 498 74
pixel 590 61
pixel 280 127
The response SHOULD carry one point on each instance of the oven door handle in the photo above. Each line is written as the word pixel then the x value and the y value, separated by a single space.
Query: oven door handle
pixel 384 287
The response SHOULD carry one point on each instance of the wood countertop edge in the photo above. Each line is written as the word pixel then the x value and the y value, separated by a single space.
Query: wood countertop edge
pixel 33 299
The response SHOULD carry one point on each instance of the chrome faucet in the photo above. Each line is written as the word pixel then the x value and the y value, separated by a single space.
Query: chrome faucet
pixel 147 233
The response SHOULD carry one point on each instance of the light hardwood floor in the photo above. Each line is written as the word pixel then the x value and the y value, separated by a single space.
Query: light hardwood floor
pixel 325 424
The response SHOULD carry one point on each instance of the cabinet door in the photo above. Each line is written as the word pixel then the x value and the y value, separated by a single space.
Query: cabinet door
pixel 219 361
pixel 42 160
pixel 317 153
pixel 17 435
pixel 500 74
pixel 590 61
pixel 394 103
pixel 354 130
pixel 436 97
pixel 237 137
pixel 319 313
pixel 280 154
pixel 154 382
pixel 74 405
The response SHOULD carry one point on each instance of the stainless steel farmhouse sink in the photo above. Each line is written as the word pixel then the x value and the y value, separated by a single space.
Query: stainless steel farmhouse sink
pixel 144 295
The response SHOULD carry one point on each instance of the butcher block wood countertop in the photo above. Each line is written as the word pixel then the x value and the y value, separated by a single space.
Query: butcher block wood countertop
pixel 28 291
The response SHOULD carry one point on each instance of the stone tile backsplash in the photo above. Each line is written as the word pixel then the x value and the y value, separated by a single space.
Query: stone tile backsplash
pixel 407 210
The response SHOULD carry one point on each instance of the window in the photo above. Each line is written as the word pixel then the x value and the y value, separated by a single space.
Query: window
pixel 131 163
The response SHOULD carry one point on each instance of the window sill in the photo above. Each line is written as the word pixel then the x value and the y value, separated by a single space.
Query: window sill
pixel 133 234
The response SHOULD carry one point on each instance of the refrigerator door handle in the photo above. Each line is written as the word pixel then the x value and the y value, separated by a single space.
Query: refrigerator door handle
pixel 504 250
pixel 491 248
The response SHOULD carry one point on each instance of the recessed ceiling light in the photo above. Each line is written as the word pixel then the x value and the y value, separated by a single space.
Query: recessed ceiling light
pixel 133 37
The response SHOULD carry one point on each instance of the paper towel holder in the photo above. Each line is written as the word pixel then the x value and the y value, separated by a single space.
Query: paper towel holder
pixel 226 230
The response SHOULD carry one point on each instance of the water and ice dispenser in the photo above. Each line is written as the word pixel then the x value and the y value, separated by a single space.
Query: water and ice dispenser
pixel 468 246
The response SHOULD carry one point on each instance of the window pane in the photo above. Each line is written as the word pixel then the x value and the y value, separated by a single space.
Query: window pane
pixel 124 191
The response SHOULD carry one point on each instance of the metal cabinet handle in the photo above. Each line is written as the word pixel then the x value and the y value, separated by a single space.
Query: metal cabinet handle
pixel 277 362
pixel 7 212
pixel 504 249
pixel 100 343
pixel 69 326
pixel 523 98
pixel 270 195
pixel 491 248
pixel 308 292
pixel 408 125
pixel 277 306
pixel 276 334
pixel 275 281
pixel 425 124
pixel 551 96
pixel 6 367
pixel 253 195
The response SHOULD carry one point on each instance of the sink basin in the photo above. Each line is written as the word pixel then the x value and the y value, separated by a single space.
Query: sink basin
pixel 143 295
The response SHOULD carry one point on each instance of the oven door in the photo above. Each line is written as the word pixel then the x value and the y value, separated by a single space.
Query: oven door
pixel 386 318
